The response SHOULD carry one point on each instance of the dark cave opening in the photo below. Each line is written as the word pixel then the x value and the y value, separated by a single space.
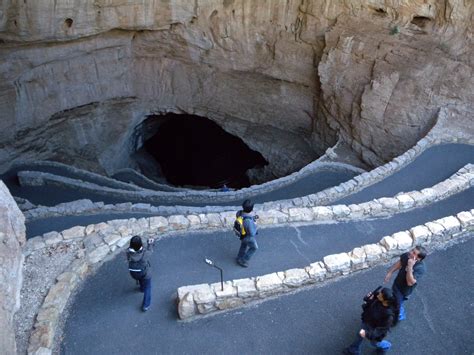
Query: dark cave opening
pixel 195 151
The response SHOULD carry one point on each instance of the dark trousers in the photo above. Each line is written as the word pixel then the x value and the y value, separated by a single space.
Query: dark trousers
pixel 145 287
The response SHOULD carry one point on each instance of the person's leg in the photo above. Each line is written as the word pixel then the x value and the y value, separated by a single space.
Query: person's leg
pixel 400 298
pixel 253 246
pixel 146 294
pixel 242 250
pixel 354 348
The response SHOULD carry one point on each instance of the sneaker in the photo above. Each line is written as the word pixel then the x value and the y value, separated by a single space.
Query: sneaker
pixel 144 309
pixel 242 263
pixel 383 346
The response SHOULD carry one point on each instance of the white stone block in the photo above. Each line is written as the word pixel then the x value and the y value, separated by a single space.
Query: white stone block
pixel 358 259
pixel 204 295
pixel 451 224
pixel 296 277
pixel 389 243
pixel 272 217
pixel 98 254
pixel 337 263
pixel 405 201
pixel 390 204
pixel 228 292
pixel 52 238
pixel 300 214
pixel 341 211
pixel 420 234
pixel 186 306
pixel 374 252
pixel 183 290
pixel 269 283
pixel 74 232
pixel 158 223
pixel 316 271
pixel 245 288
pixel 111 239
pixel 403 239
pixel 465 218
pixel 356 211
pixel 430 194
pixel 178 222
pixel 214 220
pixel 322 213
pixel 436 229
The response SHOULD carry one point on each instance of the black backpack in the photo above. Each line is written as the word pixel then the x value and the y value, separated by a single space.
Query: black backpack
pixel 138 268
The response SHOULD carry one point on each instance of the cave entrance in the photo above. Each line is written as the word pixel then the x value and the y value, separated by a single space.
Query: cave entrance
pixel 195 151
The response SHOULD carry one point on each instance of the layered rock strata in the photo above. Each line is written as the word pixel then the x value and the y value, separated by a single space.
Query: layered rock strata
pixel 12 238
pixel 287 77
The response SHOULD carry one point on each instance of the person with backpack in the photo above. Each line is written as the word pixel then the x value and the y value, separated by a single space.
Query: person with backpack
pixel 247 230
pixel 380 313
pixel 140 267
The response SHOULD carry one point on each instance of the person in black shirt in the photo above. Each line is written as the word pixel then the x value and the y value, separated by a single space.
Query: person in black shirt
pixel 380 313
pixel 410 270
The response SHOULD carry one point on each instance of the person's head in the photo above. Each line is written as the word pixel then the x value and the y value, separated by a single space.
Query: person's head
pixel 418 252
pixel 388 299
pixel 247 206
pixel 136 243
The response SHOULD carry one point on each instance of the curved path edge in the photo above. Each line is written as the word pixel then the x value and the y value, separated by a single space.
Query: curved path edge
pixel 198 300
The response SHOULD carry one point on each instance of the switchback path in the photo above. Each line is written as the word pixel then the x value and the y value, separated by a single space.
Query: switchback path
pixel 105 315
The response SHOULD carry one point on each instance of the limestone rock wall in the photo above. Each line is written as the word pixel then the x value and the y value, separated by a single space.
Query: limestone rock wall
pixel 288 77
pixel 12 237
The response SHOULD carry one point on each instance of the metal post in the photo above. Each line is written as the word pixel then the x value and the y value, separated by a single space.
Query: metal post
pixel 211 263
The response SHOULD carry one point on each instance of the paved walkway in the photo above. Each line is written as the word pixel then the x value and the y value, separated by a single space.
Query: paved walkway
pixel 315 321
pixel 106 318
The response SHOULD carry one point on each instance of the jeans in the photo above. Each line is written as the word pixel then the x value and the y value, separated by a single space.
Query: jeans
pixel 145 287
pixel 248 247
pixel 400 298
pixel 381 346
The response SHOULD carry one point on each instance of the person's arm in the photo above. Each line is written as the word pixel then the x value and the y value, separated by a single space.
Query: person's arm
pixel 390 271
pixel 250 227
pixel 410 278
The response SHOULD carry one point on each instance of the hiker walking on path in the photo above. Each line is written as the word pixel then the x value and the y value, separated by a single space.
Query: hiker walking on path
pixel 140 267
pixel 248 243
pixel 411 268
pixel 380 313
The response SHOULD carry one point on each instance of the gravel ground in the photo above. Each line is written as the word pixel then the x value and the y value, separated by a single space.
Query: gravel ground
pixel 40 270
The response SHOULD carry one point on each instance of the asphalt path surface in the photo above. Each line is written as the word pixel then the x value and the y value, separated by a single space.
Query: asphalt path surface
pixel 105 315
pixel 108 300
pixel 52 195
pixel 105 318
pixel 429 168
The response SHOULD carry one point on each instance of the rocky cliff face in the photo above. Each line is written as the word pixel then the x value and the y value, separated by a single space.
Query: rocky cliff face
pixel 12 237
pixel 288 77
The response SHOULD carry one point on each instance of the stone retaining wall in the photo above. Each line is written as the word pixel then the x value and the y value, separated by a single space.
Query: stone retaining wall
pixel 104 240
pixel 286 212
pixel 12 237
pixel 37 178
pixel 324 197
pixel 203 299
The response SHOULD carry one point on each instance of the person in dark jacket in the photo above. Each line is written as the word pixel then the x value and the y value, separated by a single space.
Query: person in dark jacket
pixel 380 313
pixel 248 244
pixel 411 269
pixel 139 266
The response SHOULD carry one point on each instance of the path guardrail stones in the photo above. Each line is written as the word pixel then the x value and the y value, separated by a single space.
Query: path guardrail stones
pixel 194 301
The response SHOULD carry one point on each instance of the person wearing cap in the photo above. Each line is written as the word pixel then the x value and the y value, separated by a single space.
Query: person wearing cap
pixel 139 265
pixel 248 244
